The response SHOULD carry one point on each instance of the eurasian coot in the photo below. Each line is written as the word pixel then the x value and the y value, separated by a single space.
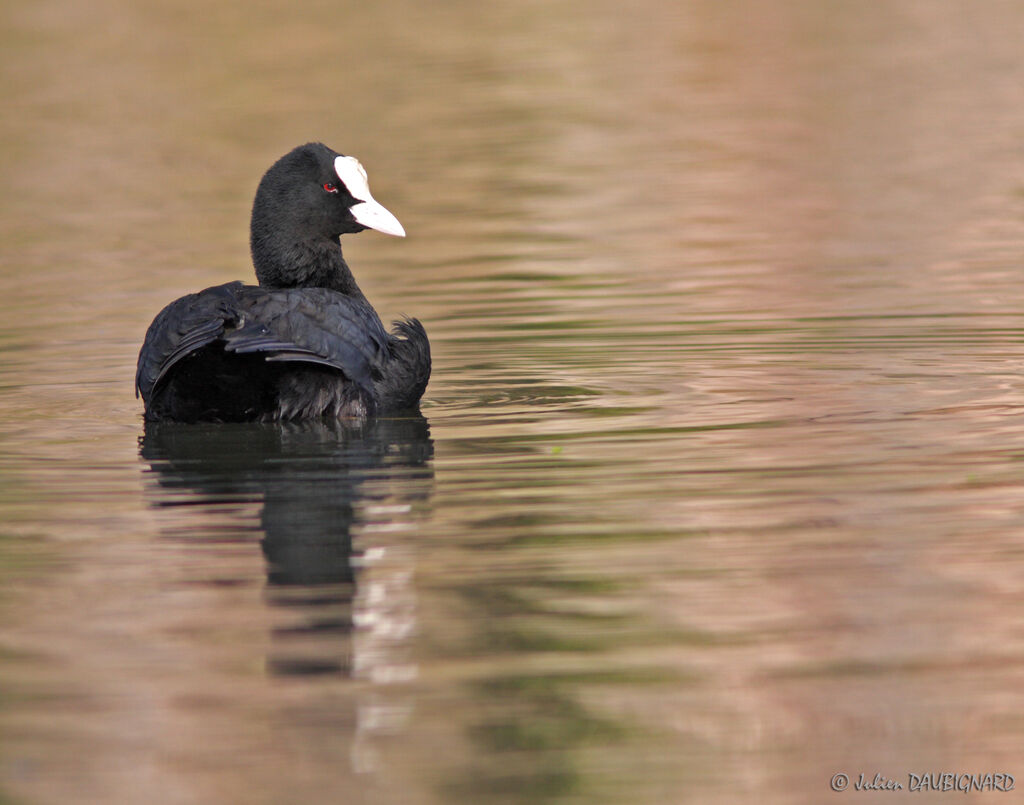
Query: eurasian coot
pixel 305 343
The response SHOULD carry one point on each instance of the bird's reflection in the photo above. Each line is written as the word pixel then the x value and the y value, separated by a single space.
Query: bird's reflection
pixel 318 482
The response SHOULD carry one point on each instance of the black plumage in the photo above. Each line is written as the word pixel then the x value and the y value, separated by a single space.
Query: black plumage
pixel 305 343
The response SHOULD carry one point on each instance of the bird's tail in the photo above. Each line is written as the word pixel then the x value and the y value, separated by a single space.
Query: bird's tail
pixel 406 380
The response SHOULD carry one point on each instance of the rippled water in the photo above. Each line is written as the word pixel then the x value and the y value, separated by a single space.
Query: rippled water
pixel 718 489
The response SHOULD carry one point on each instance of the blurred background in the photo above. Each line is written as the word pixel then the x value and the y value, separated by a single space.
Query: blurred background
pixel 718 489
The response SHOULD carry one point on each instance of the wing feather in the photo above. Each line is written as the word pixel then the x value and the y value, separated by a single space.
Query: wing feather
pixel 183 327
pixel 304 325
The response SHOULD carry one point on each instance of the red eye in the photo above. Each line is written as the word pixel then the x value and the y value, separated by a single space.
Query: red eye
pixel 331 188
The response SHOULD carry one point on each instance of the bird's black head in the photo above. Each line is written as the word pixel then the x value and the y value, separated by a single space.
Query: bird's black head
pixel 307 199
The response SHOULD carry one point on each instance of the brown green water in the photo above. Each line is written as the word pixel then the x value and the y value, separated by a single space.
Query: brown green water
pixel 719 486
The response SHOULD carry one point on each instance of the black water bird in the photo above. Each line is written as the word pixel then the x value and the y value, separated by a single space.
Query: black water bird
pixel 305 342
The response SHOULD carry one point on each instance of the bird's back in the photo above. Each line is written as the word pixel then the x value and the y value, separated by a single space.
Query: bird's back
pixel 239 353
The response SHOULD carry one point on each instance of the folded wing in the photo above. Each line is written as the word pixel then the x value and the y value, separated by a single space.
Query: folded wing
pixel 304 325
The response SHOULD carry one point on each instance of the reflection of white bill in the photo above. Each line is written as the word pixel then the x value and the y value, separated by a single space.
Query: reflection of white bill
pixel 384 617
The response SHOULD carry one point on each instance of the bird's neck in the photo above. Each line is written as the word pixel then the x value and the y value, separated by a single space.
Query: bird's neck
pixel 303 264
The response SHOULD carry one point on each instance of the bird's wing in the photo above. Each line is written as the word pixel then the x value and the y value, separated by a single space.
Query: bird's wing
pixel 311 325
pixel 307 325
pixel 181 328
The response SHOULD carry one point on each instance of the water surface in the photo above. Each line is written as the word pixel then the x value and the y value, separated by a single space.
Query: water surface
pixel 718 487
